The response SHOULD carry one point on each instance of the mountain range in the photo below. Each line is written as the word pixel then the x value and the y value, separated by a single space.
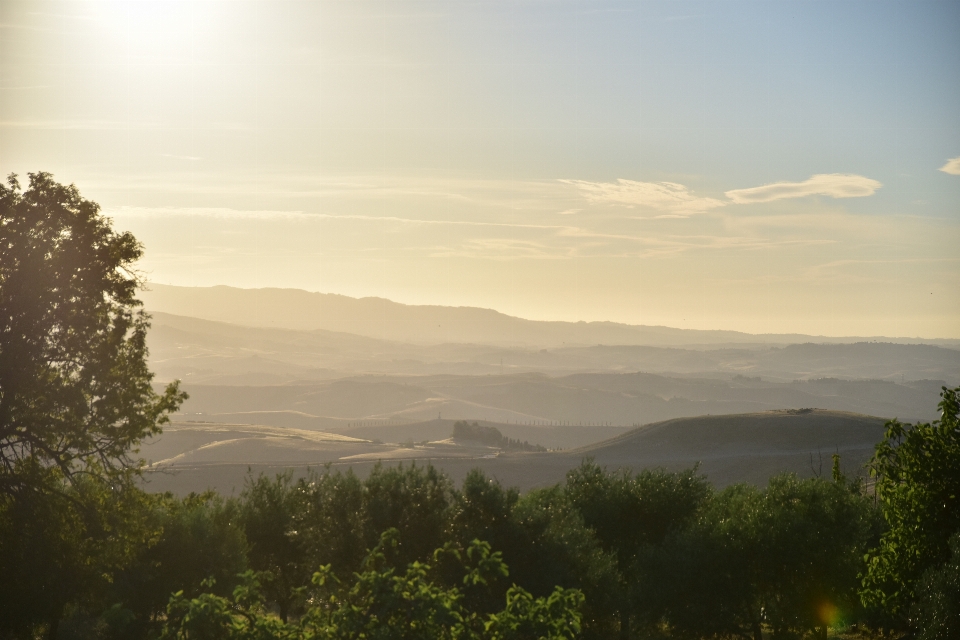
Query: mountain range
pixel 430 324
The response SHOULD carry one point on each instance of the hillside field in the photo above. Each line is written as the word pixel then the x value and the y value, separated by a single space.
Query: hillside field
pixel 729 449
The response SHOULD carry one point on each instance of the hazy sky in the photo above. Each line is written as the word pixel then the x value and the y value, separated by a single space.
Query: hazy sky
pixel 761 166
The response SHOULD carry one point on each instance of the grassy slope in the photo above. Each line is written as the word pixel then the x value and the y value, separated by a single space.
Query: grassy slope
pixel 730 448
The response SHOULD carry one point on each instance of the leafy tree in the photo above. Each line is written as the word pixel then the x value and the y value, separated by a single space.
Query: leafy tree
pixel 917 471
pixel 75 393
pixel 629 513
pixel 197 539
pixel 937 611
pixel 414 500
pixel 330 521
pixel 267 513
pixel 553 547
pixel 60 553
pixel 785 559
pixel 483 510
pixel 384 603
pixel 380 602
pixel 75 401
pixel 704 579
pixel 341 516
pixel 213 617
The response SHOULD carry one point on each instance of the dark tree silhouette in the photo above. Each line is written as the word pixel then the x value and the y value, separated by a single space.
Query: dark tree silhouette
pixel 75 392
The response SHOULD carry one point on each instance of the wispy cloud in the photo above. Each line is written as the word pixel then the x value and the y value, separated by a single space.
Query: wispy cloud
pixel 260 214
pixel 952 167
pixel 664 196
pixel 678 201
pixel 205 212
pixel 78 125
pixel 503 249
pixel 418 221
pixel 834 185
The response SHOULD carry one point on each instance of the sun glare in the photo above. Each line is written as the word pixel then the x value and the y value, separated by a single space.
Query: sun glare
pixel 155 29
pixel 828 613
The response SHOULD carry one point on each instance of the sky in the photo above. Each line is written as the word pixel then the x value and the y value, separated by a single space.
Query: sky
pixel 763 166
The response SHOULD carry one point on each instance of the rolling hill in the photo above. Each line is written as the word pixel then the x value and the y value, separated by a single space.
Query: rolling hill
pixel 729 449
pixel 286 379
pixel 575 402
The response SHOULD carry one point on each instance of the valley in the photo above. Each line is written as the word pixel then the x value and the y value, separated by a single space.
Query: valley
pixel 266 397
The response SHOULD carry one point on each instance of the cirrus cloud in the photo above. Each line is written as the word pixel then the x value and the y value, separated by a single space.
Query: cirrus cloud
pixel 678 201
pixel 834 185
pixel 665 196
pixel 952 167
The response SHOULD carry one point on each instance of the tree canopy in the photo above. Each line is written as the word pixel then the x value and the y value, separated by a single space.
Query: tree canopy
pixel 917 471
pixel 75 390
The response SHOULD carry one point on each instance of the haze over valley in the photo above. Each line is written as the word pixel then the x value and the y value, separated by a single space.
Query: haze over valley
pixel 285 386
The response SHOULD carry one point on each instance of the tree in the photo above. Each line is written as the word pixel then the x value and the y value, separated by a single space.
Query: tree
pixel 414 500
pixel 482 509
pixel 813 537
pixel 339 516
pixel 786 558
pixel 937 611
pixel 917 471
pixel 329 523
pixel 267 512
pixel 553 547
pixel 75 392
pixel 197 538
pixel 384 601
pixel 62 555
pixel 75 401
pixel 629 513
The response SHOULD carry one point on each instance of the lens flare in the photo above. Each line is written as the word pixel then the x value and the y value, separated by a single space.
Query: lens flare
pixel 828 613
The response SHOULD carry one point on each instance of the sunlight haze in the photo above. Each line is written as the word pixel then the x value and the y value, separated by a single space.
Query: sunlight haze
pixel 766 167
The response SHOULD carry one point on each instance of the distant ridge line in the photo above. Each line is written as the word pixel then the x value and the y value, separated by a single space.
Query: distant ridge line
pixel 384 319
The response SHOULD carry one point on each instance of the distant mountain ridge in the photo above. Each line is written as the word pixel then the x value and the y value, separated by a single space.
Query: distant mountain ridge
pixel 433 324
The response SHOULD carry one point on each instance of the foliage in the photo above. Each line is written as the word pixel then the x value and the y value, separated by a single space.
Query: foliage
pixel 339 516
pixel 75 402
pixel 330 520
pixel 60 552
pixel 276 550
pixel 917 471
pixel 937 610
pixel 382 603
pixel 491 436
pixel 197 538
pixel 553 546
pixel 743 561
pixel 786 558
pixel 552 618
pixel 482 509
pixel 75 393
pixel 630 513
pixel 212 617
pixel 414 500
